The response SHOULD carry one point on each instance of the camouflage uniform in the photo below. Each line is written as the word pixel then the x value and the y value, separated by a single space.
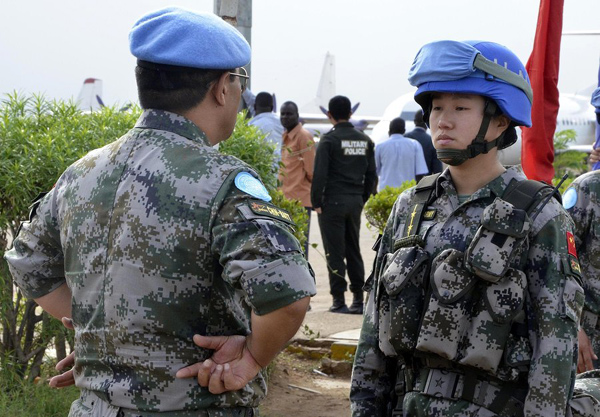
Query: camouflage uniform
pixel 584 208
pixel 157 244
pixel 538 311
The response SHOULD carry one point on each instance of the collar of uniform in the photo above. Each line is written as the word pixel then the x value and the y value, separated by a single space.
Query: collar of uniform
pixel 343 124
pixel 498 185
pixel 495 187
pixel 444 181
pixel 171 122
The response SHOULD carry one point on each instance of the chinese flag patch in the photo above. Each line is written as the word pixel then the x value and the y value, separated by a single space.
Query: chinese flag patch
pixel 571 244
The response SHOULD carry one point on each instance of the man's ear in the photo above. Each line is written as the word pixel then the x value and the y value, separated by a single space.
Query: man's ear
pixel 220 89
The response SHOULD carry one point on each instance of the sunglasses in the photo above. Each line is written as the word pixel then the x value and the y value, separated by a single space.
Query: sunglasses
pixel 243 77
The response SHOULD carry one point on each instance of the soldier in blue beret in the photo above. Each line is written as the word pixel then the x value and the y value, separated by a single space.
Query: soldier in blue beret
pixel 181 280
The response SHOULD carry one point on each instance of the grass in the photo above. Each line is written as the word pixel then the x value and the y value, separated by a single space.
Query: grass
pixel 36 400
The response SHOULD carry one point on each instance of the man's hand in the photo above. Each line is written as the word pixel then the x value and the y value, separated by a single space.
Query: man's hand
pixel 586 353
pixel 67 378
pixel 230 367
pixel 594 156
pixel 318 210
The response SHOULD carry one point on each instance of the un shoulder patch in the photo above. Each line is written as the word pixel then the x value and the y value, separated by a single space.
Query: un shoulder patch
pixel 257 209
pixel 245 182
pixel 569 198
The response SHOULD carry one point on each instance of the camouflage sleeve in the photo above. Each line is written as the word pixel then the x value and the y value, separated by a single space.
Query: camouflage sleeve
pixel 259 254
pixel 371 381
pixel 372 373
pixel 36 260
pixel 585 213
pixel 555 299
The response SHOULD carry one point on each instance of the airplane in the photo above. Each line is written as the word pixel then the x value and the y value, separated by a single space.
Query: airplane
pixel 313 115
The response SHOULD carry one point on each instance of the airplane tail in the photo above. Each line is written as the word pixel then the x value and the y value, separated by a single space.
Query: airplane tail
pixel 326 89
pixel 90 95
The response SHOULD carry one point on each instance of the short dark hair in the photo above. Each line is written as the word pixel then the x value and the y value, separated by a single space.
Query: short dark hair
pixel 290 103
pixel 264 101
pixel 418 119
pixel 176 89
pixel 340 108
pixel 397 126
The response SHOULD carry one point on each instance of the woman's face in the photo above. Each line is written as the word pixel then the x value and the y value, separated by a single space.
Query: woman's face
pixel 455 120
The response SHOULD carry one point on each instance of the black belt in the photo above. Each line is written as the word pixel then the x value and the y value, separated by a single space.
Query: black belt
pixel 503 399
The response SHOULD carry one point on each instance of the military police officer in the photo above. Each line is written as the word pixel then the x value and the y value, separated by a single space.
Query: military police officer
pixel 582 201
pixel 181 279
pixel 475 298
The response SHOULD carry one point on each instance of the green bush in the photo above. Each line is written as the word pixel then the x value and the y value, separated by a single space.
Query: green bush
pixel 565 161
pixel 379 206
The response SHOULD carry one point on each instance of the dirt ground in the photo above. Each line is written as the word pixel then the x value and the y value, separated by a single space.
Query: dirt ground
pixel 330 400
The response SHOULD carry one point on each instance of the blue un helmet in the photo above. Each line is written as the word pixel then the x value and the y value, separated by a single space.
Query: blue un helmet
pixel 474 67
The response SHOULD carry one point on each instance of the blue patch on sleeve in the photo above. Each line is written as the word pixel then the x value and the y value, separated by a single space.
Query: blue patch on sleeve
pixel 569 198
pixel 250 185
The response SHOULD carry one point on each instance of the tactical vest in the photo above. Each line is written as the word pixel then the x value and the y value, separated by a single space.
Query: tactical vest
pixel 466 308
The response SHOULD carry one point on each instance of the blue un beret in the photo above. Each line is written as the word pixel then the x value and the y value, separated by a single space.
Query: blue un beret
pixel 175 36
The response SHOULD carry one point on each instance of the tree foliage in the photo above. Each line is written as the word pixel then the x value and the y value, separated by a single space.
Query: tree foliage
pixel 379 206
pixel 567 161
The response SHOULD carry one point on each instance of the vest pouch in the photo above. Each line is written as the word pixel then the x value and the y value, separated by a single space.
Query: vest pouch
pixel 518 352
pixel 503 229
pixel 447 317
pixel 401 299
pixel 486 339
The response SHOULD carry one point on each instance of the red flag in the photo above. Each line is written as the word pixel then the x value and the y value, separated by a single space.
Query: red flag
pixel 537 147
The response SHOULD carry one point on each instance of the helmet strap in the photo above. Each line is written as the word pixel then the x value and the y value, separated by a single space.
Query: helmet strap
pixel 478 146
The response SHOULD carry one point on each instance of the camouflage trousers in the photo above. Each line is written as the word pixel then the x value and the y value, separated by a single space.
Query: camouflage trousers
pixel 91 405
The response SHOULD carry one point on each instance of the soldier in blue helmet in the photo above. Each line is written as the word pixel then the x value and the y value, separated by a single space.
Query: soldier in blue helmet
pixel 475 298
pixel 181 279
pixel 582 201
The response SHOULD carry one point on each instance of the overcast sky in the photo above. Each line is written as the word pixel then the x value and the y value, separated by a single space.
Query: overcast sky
pixel 51 47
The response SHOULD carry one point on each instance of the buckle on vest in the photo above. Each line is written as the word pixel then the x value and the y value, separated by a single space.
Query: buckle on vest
pixel 441 383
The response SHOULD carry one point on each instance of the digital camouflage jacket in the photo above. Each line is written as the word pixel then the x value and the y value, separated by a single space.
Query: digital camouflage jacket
pixel 158 243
